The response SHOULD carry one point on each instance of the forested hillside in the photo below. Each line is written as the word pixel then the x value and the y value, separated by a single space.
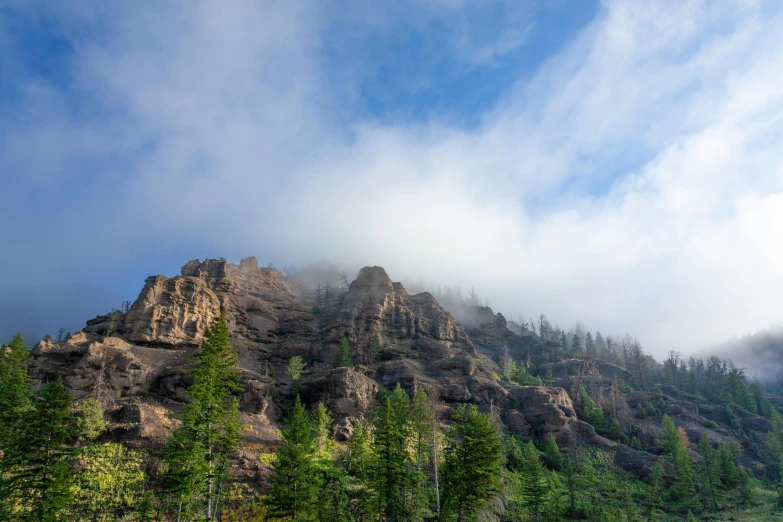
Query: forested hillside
pixel 239 393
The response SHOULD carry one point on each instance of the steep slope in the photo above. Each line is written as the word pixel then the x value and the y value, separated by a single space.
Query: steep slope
pixel 136 361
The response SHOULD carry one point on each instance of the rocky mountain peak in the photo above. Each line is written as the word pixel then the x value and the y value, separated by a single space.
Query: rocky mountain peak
pixel 372 277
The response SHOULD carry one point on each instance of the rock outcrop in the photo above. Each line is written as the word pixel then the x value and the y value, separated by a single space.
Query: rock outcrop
pixel 138 360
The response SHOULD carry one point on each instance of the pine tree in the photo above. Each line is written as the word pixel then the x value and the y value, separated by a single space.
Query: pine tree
pixel 656 488
pixel 533 479
pixel 359 452
pixel 554 500
pixel 553 455
pixel 773 448
pixel 674 443
pixel 41 477
pixel 344 358
pixel 710 472
pixel 729 469
pixel 198 450
pixel 472 463
pixel 589 346
pixel 393 475
pixel 15 399
pixel 294 371
pixel 573 482
pixel 363 502
pixel 323 424
pixel 294 493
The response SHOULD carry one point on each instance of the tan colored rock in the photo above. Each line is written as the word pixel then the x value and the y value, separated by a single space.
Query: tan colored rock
pixel 171 311
pixel 343 391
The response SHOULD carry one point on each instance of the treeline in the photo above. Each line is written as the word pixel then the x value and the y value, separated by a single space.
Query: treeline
pixel 404 462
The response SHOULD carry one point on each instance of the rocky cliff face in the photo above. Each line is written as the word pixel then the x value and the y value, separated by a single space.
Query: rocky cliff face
pixel 136 361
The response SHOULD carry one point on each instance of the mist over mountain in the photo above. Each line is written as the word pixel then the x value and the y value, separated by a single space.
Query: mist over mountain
pixel 760 353
pixel 611 162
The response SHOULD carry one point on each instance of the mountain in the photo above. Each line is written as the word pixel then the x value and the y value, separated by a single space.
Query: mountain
pixel 135 361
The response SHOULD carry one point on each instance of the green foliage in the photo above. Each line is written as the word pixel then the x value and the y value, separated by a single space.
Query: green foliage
pixel 294 370
pixel 709 473
pixel 534 482
pixel 111 481
pixel 323 424
pixel 773 448
pixel 344 357
pixel 709 424
pixel 198 451
pixel 15 401
pixel 656 488
pixel 728 455
pixel 294 493
pixel 553 456
pixel 393 476
pixel 674 443
pixel 472 465
pixel 89 419
pixel 37 483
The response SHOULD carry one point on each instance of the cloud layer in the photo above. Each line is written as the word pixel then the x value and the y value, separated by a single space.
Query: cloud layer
pixel 632 179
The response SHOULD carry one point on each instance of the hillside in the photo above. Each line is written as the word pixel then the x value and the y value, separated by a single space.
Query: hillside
pixel 136 364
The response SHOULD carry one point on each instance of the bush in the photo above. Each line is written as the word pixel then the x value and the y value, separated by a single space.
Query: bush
pixel 709 424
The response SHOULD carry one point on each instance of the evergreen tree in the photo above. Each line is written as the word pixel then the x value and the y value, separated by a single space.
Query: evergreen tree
pixel 710 472
pixel 675 444
pixel 773 449
pixel 344 358
pixel 600 346
pixel 589 346
pixel 554 500
pixel 363 499
pixel 294 493
pixel 656 488
pixel 39 484
pixel 472 463
pixel 393 476
pixel 573 483
pixel 359 452
pixel 553 455
pixel 15 401
pixel 323 424
pixel 533 479
pixel 576 345
pixel 294 371
pixel 198 451
pixel 729 469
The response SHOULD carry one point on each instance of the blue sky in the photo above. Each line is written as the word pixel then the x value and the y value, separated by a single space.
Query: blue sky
pixel 612 162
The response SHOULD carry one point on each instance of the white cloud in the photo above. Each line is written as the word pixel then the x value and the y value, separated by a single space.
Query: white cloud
pixel 634 183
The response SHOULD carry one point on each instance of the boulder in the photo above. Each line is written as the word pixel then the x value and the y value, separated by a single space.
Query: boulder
pixel 343 391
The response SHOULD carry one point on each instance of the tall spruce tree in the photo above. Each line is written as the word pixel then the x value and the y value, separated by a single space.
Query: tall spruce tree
pixel 553 455
pixel 394 476
pixel 534 483
pixel 15 401
pixel 38 485
pixel 294 493
pixel 656 489
pixel 674 443
pixel 344 356
pixel 199 449
pixel 709 472
pixel 472 464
